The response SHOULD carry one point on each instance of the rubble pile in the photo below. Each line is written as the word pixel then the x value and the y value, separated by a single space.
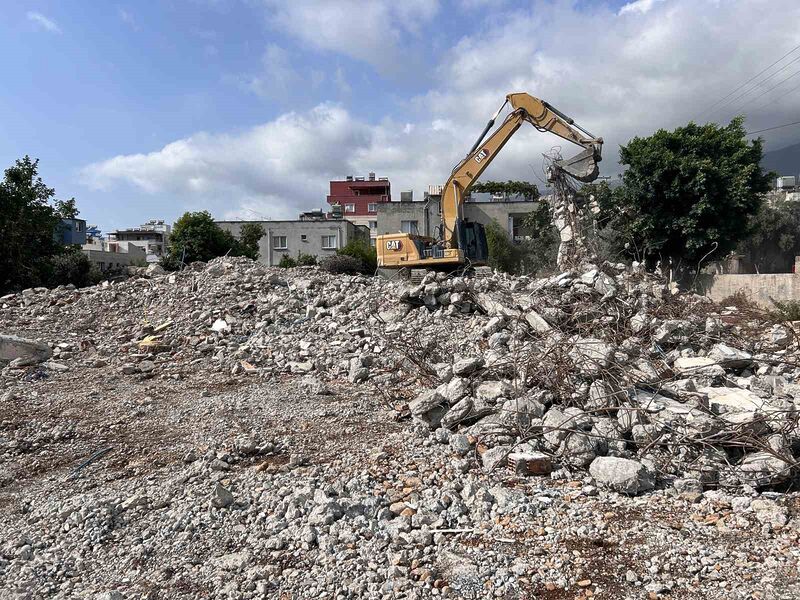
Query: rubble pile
pixel 238 431
pixel 607 362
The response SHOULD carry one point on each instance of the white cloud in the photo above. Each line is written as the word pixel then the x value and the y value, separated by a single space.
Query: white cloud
pixel 639 6
pixel 43 22
pixel 372 32
pixel 617 76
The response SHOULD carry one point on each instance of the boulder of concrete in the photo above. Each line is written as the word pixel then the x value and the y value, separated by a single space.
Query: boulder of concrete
pixel 730 357
pixel 537 322
pixel 492 390
pixel 21 352
pixel 621 474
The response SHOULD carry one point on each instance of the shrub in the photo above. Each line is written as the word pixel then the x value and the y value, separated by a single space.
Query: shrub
pixel 306 260
pixel 340 264
pixel 363 252
pixel 71 266
pixel 785 311
pixel 169 262
pixel 287 262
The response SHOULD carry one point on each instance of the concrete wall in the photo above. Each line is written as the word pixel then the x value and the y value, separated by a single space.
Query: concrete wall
pixel 392 214
pixel 759 288
pixel 105 259
pixel 345 231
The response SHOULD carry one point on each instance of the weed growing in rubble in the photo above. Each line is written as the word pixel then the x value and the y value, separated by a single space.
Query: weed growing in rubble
pixel 785 311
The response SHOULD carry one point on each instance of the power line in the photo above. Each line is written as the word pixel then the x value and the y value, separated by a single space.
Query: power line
pixel 758 83
pixel 781 97
pixel 741 106
pixel 771 128
pixel 748 81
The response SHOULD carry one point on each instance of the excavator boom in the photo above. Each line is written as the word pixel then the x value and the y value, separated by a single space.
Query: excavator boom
pixel 461 241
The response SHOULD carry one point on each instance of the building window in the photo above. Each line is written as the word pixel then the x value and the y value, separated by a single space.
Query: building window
pixel 279 242
pixel 304 238
pixel 78 226
pixel 373 225
pixel 329 242
pixel 373 242
pixel 372 207
pixel 350 208
pixel 409 227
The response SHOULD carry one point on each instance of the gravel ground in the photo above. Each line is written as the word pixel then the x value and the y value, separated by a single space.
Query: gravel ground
pixel 216 487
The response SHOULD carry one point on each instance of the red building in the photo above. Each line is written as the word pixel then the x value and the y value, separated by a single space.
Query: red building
pixel 359 196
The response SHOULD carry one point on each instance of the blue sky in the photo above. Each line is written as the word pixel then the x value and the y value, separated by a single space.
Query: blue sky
pixel 247 107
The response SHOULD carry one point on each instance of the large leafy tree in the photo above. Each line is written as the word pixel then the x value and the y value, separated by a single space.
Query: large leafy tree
pixel 28 219
pixel 687 194
pixel 195 236
pixel 775 240
pixel 249 236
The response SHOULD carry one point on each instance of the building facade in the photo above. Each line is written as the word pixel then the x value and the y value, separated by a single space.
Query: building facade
pixel 359 198
pixel 71 232
pixel 425 217
pixel 114 255
pixel 153 236
pixel 319 238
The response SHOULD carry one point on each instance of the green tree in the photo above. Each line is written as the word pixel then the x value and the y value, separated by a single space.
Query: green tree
pixel 249 236
pixel 71 266
pixel 775 238
pixel 540 247
pixel 503 255
pixel 28 221
pixel 361 249
pixel 195 236
pixel 687 194
pixel 527 191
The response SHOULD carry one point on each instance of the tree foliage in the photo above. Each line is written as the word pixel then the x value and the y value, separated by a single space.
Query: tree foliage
pixel 361 250
pixel 775 238
pixel 195 236
pixel 29 217
pixel 342 264
pixel 503 256
pixel 687 194
pixel 535 253
pixel 249 236
pixel 306 260
pixel 72 266
pixel 287 262
pixel 524 189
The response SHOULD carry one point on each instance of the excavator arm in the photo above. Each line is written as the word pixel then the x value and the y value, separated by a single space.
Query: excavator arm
pixel 543 117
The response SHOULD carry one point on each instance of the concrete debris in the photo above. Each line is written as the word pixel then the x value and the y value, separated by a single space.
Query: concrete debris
pixel 21 352
pixel 300 434
pixel 621 474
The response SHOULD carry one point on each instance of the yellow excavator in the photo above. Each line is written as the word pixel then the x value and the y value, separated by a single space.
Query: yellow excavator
pixel 464 243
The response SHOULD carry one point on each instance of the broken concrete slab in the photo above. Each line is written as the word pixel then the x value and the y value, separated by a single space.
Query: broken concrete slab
pixel 22 352
pixel 698 365
pixel 621 474
pixel 730 357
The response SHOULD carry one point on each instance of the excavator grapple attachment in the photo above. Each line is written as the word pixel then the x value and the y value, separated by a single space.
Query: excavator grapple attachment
pixel 582 167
